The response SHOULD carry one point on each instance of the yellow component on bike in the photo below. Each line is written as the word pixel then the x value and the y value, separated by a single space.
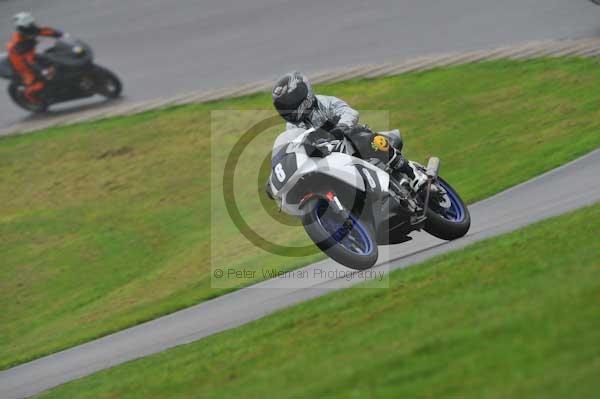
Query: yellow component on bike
pixel 380 143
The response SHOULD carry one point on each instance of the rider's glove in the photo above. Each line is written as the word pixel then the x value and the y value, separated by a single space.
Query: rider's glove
pixel 320 148
pixel 340 131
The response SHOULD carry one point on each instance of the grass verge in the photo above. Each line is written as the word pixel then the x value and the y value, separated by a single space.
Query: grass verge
pixel 509 317
pixel 108 224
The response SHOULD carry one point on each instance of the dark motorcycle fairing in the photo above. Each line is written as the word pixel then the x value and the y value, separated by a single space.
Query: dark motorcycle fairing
pixel 68 53
pixel 69 74
pixel 6 68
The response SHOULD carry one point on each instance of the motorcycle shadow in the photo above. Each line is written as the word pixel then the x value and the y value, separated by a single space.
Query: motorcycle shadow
pixel 76 109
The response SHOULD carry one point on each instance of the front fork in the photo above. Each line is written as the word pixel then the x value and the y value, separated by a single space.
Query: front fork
pixel 419 216
pixel 433 169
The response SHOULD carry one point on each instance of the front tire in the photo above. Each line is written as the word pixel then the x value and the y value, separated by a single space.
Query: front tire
pixel 349 242
pixel 16 91
pixel 451 223
pixel 107 84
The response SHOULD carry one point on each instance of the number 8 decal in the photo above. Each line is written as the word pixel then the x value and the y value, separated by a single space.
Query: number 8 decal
pixel 280 173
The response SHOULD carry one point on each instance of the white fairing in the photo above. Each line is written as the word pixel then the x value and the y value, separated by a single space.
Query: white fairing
pixel 340 166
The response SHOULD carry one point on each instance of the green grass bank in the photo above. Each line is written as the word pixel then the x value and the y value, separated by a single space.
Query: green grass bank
pixel 514 316
pixel 104 225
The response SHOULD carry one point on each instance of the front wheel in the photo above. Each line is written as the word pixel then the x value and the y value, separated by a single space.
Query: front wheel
pixel 347 241
pixel 107 84
pixel 16 91
pixel 448 217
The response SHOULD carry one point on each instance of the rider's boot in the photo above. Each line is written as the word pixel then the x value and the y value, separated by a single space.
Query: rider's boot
pixel 401 166
pixel 32 92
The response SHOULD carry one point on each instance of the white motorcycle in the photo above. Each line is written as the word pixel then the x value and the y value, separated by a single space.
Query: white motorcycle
pixel 348 206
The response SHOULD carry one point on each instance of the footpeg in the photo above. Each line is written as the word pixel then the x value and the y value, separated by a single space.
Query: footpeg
pixel 417 220
pixel 402 195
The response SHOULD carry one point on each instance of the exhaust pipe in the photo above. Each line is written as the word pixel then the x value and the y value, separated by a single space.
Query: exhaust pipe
pixel 433 167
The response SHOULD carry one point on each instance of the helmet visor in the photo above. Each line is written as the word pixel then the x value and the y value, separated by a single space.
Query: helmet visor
pixel 300 113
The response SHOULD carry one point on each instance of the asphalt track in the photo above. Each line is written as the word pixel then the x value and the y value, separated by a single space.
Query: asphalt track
pixel 164 48
pixel 569 187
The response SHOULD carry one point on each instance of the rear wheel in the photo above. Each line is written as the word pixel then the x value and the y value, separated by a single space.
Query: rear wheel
pixel 448 217
pixel 347 241
pixel 16 91
pixel 107 84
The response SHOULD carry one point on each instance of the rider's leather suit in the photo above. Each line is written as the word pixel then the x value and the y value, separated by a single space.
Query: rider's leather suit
pixel 21 52
pixel 330 112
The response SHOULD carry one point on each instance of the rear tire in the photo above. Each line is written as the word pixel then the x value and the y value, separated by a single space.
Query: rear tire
pixel 107 83
pixel 443 228
pixel 16 91
pixel 313 224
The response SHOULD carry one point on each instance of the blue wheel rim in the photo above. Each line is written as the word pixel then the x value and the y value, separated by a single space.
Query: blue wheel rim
pixel 456 213
pixel 352 235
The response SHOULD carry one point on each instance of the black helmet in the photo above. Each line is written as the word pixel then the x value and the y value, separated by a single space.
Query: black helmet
pixel 293 97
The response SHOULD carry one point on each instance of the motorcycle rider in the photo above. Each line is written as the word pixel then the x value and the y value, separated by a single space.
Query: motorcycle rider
pixel 21 52
pixel 295 101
